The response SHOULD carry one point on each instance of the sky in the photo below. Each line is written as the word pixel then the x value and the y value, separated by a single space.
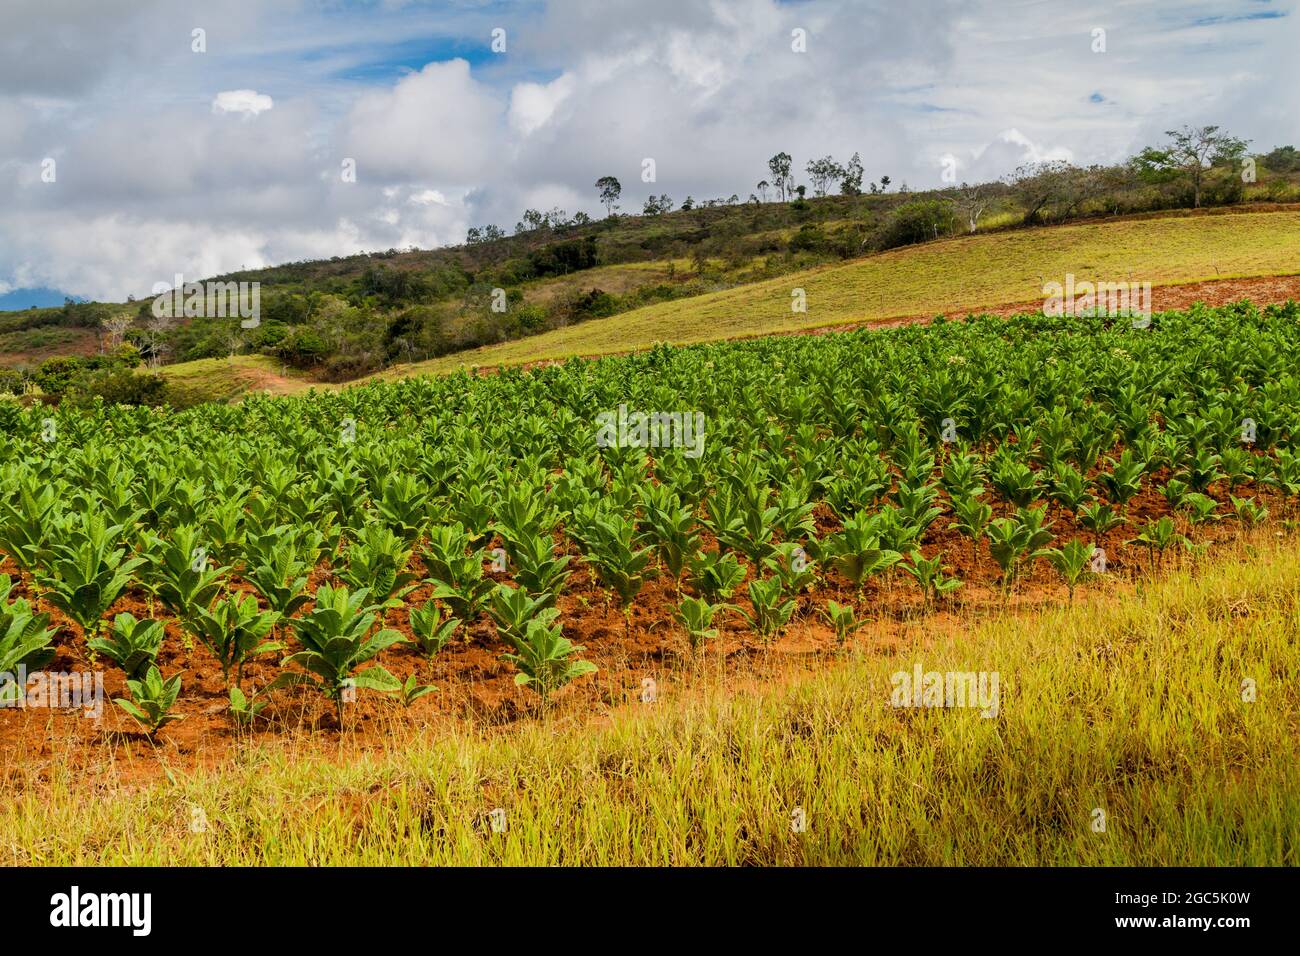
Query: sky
pixel 141 139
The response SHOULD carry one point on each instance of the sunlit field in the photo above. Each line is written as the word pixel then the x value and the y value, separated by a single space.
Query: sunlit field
pixel 949 276
pixel 1125 712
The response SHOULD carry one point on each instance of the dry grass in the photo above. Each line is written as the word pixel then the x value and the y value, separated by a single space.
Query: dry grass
pixel 1130 705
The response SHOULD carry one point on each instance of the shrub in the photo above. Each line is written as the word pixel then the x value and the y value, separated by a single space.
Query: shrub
pixel 12 381
pixel 118 386
pixel 918 220
pixel 303 347
pixel 54 376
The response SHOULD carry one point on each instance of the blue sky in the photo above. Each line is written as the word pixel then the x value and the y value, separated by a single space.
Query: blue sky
pixel 167 160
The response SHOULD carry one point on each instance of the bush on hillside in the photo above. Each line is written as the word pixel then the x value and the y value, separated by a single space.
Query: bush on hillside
pixel 12 381
pixel 918 220
pixel 118 386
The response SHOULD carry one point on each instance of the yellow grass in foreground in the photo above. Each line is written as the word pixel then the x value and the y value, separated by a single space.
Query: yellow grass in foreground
pixel 1129 706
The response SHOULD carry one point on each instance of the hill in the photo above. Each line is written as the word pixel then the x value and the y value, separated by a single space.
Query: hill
pixel 562 286
pixel 1185 257
pixel 39 298
pixel 968 274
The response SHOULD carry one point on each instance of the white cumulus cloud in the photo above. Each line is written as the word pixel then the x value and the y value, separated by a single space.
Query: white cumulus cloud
pixel 440 124
pixel 429 197
pixel 156 176
pixel 242 101
pixel 533 104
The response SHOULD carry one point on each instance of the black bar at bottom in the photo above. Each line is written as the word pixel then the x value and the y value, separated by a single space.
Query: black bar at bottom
pixel 345 906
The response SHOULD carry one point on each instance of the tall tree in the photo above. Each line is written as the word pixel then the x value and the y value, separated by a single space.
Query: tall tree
pixel 971 201
pixel 116 327
pixel 851 177
pixel 1283 159
pixel 823 172
pixel 610 189
pixel 533 220
pixel 657 205
pixel 1038 186
pixel 157 330
pixel 1191 151
pixel 780 167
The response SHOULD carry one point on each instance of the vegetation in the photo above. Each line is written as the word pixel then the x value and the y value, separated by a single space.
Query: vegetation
pixel 152 700
pixel 348 317
pixel 828 467
pixel 964 274
pixel 1133 707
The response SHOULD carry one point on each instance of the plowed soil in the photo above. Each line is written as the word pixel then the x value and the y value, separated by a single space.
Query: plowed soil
pixel 474 685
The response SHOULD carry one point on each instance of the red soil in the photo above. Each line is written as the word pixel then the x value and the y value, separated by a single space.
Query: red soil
pixel 475 685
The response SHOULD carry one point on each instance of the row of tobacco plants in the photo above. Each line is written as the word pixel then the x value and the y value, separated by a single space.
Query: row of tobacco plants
pixel 827 462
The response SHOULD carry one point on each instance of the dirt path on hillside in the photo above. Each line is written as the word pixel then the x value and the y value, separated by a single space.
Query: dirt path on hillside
pixel 263 380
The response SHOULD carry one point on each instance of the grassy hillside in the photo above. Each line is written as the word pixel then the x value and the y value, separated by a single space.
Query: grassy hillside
pixel 349 316
pixel 968 273
pixel 711 299
pixel 1128 705
pixel 219 380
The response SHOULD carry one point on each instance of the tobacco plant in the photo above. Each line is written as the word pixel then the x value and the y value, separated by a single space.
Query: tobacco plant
pixel 87 570
pixel 1072 561
pixel 695 615
pixel 715 576
pixel 771 610
pixel 620 565
pixel 152 700
pixel 180 573
pixel 843 620
pixel 546 659
pixel 26 639
pixel 235 631
pixel 857 551
pixel 431 632
pixel 337 639
pixel 929 575
pixel 131 644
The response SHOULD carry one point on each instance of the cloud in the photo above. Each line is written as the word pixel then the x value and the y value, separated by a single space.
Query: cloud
pixel 428 196
pixel 439 124
pixel 156 176
pixel 1008 150
pixel 133 255
pixel 533 104
pixel 242 101
pixel 62 48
